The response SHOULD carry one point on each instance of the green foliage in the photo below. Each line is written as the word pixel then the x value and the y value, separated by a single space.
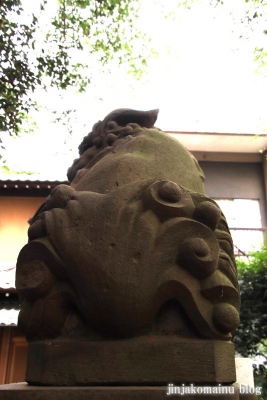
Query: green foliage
pixel 87 27
pixel 7 171
pixel 249 15
pixel 77 34
pixel 254 17
pixel 261 57
pixel 60 56
pixel 251 335
pixel 17 75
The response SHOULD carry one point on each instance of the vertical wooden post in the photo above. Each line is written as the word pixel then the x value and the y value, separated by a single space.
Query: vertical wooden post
pixel 16 368
pixel 264 164
pixel 5 338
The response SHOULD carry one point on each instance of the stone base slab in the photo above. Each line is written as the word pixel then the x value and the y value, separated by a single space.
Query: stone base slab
pixel 153 361
pixel 23 391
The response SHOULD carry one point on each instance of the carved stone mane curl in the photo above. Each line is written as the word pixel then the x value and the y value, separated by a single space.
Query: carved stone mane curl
pixel 120 122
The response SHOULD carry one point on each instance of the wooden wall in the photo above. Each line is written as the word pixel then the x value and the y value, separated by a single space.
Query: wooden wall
pixel 14 215
pixel 13 355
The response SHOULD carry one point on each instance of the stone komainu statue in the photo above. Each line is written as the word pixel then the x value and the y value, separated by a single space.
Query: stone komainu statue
pixel 130 268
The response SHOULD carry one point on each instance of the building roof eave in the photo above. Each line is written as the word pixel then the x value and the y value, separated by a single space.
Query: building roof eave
pixel 221 142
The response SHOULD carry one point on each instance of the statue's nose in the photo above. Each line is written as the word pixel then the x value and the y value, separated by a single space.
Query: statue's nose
pixel 59 197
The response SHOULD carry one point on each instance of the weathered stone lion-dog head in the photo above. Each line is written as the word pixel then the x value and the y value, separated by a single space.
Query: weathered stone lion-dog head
pixel 132 246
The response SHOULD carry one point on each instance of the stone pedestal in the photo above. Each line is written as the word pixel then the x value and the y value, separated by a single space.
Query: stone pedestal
pixel 243 389
pixel 153 360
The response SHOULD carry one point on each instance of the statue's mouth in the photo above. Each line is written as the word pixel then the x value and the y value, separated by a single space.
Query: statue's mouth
pixel 217 288
pixel 226 261
pixel 38 227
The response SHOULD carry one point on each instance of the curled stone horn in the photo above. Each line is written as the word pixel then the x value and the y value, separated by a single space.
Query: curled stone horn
pixel 124 116
pixel 120 117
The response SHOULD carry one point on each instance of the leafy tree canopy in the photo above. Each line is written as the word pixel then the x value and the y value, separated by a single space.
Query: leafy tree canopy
pixel 251 339
pixel 58 43
pixel 253 15
pixel 251 336
pixel 32 55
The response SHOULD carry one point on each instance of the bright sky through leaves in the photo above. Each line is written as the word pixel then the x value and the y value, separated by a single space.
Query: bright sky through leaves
pixel 203 79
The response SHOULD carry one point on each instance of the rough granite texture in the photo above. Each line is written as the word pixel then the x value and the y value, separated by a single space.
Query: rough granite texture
pixel 129 277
